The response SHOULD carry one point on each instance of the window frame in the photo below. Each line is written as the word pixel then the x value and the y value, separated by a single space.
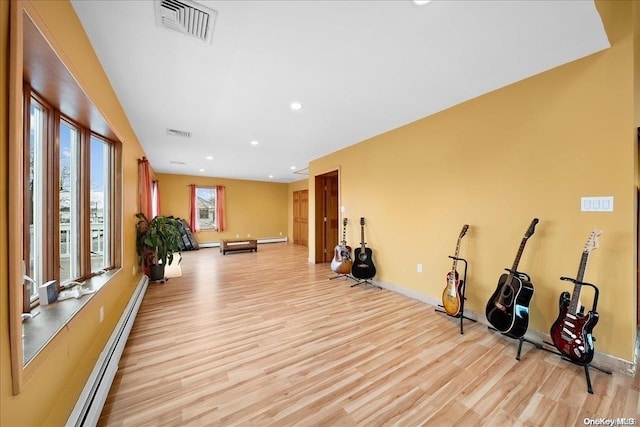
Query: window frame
pixel 36 58
pixel 50 253
pixel 214 226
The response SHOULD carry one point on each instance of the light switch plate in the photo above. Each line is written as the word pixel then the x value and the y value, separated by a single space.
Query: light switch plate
pixel 596 204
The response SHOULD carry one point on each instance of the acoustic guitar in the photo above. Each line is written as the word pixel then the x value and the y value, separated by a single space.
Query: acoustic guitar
pixel 508 307
pixel 363 267
pixel 341 262
pixel 452 294
pixel 571 332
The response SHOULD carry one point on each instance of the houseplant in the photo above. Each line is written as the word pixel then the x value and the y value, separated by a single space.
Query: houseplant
pixel 156 242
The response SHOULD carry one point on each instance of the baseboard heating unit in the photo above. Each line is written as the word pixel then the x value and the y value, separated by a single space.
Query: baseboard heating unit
pixel 89 405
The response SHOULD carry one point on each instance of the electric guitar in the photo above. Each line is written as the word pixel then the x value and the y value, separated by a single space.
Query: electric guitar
pixel 452 294
pixel 341 262
pixel 508 307
pixel 363 267
pixel 571 332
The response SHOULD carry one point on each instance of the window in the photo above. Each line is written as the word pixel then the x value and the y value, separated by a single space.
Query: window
pixel 67 199
pixel 33 198
pixel 206 206
pixel 99 204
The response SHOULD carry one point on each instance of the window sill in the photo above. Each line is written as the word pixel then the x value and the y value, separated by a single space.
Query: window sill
pixel 48 320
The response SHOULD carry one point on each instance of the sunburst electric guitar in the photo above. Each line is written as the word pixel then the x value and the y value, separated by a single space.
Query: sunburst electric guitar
pixel 571 332
pixel 341 262
pixel 452 294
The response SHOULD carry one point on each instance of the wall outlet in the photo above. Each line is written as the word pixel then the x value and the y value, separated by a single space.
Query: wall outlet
pixel 281 233
pixel 419 268
pixel 237 236
pixel 248 235
pixel 101 313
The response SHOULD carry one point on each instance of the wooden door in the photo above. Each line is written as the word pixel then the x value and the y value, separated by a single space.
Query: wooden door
pixel 327 217
pixel 301 217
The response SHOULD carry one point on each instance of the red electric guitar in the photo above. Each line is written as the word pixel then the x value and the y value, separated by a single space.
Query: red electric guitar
pixel 571 332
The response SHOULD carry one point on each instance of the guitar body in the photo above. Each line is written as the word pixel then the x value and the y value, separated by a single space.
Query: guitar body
pixel 341 262
pixel 451 296
pixel 363 267
pixel 572 335
pixel 511 317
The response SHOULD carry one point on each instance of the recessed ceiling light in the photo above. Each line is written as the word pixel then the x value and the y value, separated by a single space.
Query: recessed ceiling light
pixel 254 142
pixel 421 2
pixel 201 170
pixel 270 176
pixel 296 106
pixel 293 168
pixel 209 157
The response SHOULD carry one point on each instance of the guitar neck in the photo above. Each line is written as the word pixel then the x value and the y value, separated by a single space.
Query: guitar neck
pixel 574 306
pixel 455 258
pixel 516 261
pixel 362 237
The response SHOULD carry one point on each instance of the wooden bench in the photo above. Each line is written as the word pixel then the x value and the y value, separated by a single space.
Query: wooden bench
pixel 229 245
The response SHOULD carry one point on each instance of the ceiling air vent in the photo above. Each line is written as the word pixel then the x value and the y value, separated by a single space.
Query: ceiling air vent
pixel 187 17
pixel 175 132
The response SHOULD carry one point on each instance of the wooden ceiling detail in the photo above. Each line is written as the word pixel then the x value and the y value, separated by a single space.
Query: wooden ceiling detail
pixel 49 77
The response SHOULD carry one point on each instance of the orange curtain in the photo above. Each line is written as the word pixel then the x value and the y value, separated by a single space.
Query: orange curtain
pixel 144 187
pixel 221 223
pixel 193 209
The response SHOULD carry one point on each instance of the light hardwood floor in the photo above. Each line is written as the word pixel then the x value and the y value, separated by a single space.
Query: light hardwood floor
pixel 267 339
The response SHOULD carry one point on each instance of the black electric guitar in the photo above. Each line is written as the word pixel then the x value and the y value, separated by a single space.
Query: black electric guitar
pixel 571 332
pixel 341 262
pixel 452 294
pixel 363 267
pixel 508 307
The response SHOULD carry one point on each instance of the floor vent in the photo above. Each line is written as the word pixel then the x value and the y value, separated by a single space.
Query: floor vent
pixel 187 17
pixel 89 405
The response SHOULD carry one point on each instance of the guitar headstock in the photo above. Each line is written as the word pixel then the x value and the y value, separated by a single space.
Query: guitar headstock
pixel 532 228
pixel 362 221
pixel 464 231
pixel 592 241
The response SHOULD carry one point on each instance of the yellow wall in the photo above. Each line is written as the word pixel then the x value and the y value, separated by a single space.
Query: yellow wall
pixel 532 149
pixel 54 379
pixel 253 208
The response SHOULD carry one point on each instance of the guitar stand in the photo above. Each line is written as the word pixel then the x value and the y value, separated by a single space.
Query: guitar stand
pixel 521 340
pixel 463 298
pixel 563 357
pixel 346 276
pixel 364 282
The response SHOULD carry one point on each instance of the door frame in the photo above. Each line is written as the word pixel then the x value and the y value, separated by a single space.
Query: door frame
pixel 320 246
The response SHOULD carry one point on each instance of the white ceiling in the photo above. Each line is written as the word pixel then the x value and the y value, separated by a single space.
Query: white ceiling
pixel 360 68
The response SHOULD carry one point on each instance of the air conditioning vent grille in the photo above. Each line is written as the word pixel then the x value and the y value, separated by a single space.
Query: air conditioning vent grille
pixel 187 17
pixel 176 132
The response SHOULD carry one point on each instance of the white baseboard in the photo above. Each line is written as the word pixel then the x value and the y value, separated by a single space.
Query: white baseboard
pixel 600 359
pixel 216 244
pixel 88 407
